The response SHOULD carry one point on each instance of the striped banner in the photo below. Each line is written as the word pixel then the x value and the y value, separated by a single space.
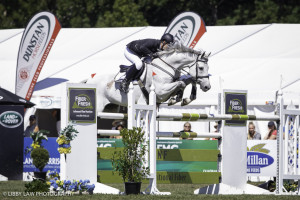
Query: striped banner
pixel 163 177
pixel 196 117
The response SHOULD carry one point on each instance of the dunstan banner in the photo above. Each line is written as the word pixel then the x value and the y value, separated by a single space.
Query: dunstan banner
pixel 187 28
pixel 36 43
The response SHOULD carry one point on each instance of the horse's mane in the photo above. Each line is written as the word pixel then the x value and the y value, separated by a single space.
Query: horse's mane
pixel 180 48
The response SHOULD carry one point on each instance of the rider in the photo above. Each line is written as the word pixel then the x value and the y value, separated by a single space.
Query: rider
pixel 137 49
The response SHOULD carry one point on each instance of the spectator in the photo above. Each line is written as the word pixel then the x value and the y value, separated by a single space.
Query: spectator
pixel 33 127
pixel 252 133
pixel 118 125
pixel 187 127
pixel 272 131
pixel 217 130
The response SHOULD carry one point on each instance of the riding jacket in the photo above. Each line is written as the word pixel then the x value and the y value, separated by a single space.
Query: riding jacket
pixel 145 47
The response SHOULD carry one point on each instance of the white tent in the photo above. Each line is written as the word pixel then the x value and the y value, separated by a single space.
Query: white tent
pixel 257 58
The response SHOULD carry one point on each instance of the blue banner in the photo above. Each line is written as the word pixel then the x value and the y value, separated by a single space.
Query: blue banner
pixel 54 160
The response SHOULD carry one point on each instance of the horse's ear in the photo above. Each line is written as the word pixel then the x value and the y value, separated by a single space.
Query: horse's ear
pixel 203 54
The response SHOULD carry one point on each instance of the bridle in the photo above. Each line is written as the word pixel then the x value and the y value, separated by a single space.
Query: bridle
pixel 201 59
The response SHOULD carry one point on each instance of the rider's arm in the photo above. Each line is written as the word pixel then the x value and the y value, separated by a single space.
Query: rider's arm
pixel 146 51
pixel 149 47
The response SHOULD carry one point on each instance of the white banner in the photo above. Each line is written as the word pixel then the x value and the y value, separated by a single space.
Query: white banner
pixel 36 43
pixel 261 157
pixel 187 28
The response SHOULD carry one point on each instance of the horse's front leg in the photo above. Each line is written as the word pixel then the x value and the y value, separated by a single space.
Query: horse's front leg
pixel 193 95
pixel 166 90
pixel 187 79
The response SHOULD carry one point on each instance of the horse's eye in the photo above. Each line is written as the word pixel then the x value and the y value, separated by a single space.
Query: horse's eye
pixel 201 68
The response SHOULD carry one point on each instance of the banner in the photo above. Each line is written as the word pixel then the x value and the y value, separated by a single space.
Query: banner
pixel 11 141
pixel 36 43
pixel 54 160
pixel 235 103
pixel 187 28
pixel 261 157
pixel 82 105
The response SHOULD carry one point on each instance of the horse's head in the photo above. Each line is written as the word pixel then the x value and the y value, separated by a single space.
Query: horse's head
pixel 178 57
pixel 199 71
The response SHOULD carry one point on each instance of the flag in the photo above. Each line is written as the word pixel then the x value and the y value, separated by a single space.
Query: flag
pixel 187 28
pixel 36 43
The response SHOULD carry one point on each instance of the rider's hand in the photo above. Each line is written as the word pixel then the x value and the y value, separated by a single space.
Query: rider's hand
pixel 155 55
pixel 148 59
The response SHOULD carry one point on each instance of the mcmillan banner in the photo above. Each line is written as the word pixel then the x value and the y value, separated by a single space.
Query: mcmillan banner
pixel 187 28
pixel 36 43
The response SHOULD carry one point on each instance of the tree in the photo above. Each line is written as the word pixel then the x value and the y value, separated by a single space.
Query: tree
pixel 124 13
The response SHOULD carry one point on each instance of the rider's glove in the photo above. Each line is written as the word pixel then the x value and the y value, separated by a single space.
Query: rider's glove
pixel 155 55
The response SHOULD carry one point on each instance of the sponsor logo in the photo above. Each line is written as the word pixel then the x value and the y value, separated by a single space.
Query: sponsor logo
pixel 24 74
pixel 236 105
pixel 187 28
pixel 82 101
pixel 183 29
pixel 46 101
pixel 11 119
pixel 257 158
pixel 35 36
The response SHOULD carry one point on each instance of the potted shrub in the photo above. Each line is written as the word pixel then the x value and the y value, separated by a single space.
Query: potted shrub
pixel 40 158
pixel 40 155
pixel 129 161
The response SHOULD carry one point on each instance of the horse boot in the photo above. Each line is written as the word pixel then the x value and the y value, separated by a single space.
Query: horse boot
pixel 132 71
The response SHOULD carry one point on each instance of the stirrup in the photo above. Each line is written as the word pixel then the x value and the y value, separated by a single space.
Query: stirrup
pixel 124 85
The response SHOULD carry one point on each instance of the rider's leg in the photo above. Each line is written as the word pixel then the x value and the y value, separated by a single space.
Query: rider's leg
pixel 133 70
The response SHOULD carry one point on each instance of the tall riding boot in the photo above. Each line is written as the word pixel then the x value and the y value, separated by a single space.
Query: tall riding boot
pixel 129 76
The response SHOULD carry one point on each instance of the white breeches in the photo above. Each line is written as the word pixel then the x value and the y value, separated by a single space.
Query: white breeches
pixel 133 58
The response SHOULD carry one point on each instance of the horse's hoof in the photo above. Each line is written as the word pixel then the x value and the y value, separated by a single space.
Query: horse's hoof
pixel 171 102
pixel 192 97
pixel 185 101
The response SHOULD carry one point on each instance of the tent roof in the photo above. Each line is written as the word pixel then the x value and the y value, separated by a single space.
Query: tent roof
pixel 9 98
pixel 247 57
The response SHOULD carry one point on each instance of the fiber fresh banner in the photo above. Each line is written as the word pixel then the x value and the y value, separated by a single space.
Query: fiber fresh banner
pixel 36 43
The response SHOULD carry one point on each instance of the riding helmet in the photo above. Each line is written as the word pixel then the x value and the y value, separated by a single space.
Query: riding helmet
pixel 168 38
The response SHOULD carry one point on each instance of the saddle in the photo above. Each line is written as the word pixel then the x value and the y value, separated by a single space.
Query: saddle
pixel 125 68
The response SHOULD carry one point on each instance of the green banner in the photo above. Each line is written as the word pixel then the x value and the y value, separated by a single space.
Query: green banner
pixel 171 166
pixel 169 154
pixel 165 144
pixel 178 161
pixel 105 176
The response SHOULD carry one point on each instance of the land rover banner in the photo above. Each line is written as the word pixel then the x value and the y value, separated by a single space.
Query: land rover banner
pixel 82 105
pixel 36 43
pixel 187 28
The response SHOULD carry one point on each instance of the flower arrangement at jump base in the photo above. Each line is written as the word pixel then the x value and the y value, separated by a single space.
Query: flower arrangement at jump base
pixel 74 186
pixel 37 138
pixel 66 136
